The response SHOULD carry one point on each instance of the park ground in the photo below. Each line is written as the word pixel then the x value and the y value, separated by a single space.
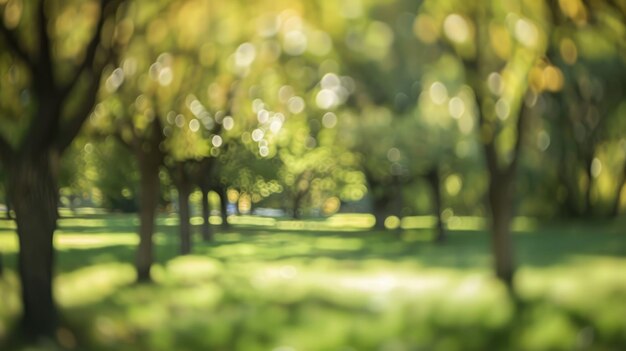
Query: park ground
pixel 331 284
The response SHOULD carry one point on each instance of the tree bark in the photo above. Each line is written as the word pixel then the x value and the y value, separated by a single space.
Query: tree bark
pixel 435 183
pixel 207 234
pixel 297 200
pixel 221 191
pixel 379 193
pixel 500 194
pixel 32 165
pixel 148 200
pixel 184 190
pixel 33 192
pixel 380 206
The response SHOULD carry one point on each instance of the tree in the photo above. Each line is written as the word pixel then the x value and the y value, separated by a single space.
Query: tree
pixel 143 140
pixel 497 57
pixel 133 113
pixel 61 86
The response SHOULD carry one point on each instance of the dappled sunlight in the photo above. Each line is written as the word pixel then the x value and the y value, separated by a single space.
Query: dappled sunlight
pixel 81 241
pixel 10 306
pixel 254 221
pixel 193 268
pixel 418 222
pixel 92 284
pixel 8 241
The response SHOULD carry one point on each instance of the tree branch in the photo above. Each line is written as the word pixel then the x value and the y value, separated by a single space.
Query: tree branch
pixel 43 66
pixel 521 134
pixel 90 51
pixel 14 45
pixel 489 147
pixel 75 122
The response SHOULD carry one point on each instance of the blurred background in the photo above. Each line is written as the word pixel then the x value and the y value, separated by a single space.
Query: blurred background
pixel 312 175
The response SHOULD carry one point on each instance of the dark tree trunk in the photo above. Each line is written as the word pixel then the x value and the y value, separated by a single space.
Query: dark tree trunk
pixel 500 196
pixel 221 191
pixel 207 234
pixel 184 189
pixel 33 164
pixel 435 184
pixel 380 197
pixel 297 201
pixel 148 201
pixel 380 208
pixel 72 202
pixel 302 186
pixel 149 157
pixel 33 192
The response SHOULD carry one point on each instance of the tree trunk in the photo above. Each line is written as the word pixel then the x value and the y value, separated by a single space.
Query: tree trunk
pixel 34 194
pixel 184 189
pixel 501 207
pixel 207 234
pixel 148 201
pixel 72 202
pixel 221 190
pixel 296 205
pixel 379 197
pixel 397 200
pixel 380 208
pixel 435 183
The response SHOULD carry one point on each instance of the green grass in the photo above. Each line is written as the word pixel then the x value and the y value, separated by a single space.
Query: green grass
pixel 331 284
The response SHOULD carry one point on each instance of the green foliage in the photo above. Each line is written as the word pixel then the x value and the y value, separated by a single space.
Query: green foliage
pixel 117 184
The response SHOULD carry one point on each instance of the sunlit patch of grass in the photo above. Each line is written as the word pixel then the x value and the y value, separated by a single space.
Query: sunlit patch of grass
pixel 82 222
pixel 81 211
pixel 193 268
pixel 252 221
pixel 91 284
pixel 81 241
pixel 197 220
pixel 466 223
pixel 418 222
pixel 10 301
pixel 352 220
pixel 8 242
pixel 7 225
pixel 524 224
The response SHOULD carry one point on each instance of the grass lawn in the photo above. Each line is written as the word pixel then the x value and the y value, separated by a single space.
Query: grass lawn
pixel 331 284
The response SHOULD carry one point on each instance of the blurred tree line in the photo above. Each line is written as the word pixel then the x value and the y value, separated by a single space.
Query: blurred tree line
pixel 496 109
